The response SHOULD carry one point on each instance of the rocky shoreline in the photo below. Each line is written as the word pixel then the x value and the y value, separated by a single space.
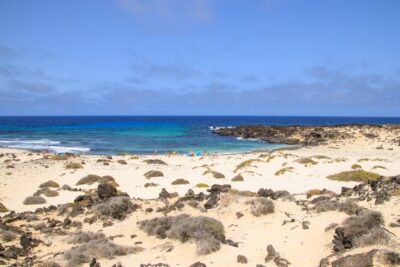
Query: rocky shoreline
pixel 304 135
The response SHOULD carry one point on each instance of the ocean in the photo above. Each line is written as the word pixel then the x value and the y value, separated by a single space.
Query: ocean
pixel 147 134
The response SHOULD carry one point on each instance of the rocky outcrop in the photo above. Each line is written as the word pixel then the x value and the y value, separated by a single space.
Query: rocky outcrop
pixel 297 135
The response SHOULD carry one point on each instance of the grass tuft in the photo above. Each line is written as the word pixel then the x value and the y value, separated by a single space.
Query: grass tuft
pixel 354 176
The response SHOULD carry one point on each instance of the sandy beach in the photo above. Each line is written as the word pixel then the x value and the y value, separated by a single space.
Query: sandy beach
pixel 296 229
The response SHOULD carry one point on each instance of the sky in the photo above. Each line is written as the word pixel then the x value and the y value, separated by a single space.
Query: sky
pixel 200 57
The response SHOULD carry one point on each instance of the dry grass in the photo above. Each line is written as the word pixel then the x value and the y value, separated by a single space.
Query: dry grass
pixel 320 157
pixel 354 176
pixel 202 185
pixel 206 232
pixel 246 163
pixel 313 192
pixel 215 174
pixel 355 166
pixel 379 167
pixel 283 171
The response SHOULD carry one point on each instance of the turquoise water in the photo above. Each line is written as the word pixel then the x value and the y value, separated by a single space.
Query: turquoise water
pixel 145 134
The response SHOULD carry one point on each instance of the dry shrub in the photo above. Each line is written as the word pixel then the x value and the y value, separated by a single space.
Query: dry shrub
pixel 88 179
pixel 49 184
pixel 115 207
pixel 74 166
pixel 84 237
pixel 215 174
pixel 348 206
pixel 47 192
pixel 361 230
pixel 34 200
pixel 98 248
pixel 8 236
pixel 355 176
pixel 206 232
pixel 306 161
pixel 154 161
pixel 180 181
pixel 153 173
pixel 261 206
pixel 237 178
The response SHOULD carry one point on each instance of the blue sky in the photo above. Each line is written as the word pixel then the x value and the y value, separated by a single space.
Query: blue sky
pixel 200 57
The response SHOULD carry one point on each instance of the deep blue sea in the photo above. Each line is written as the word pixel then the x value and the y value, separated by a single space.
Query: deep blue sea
pixel 146 134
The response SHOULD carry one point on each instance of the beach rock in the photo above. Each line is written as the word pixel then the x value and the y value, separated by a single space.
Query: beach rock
pixel 94 263
pixel 271 253
pixel 291 135
pixel 359 260
pixel 106 191
pixel 268 193
pixel 281 262
pixel 164 194
pixel 84 200
pixel 232 243
pixel 27 242
pixel 241 259
pixel 198 264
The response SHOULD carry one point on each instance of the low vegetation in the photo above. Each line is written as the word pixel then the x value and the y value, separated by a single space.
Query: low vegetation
pixel 115 207
pixel 8 236
pixel 155 161
pixel 237 178
pixel 153 173
pixel 261 206
pixel 180 182
pixel 245 164
pixel 94 246
pixel 354 176
pixel 74 166
pixel 202 185
pixel 215 174
pixel 206 232
pixel 49 184
pixel 306 161
pixel 355 167
pixel 34 200
pixel 283 171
